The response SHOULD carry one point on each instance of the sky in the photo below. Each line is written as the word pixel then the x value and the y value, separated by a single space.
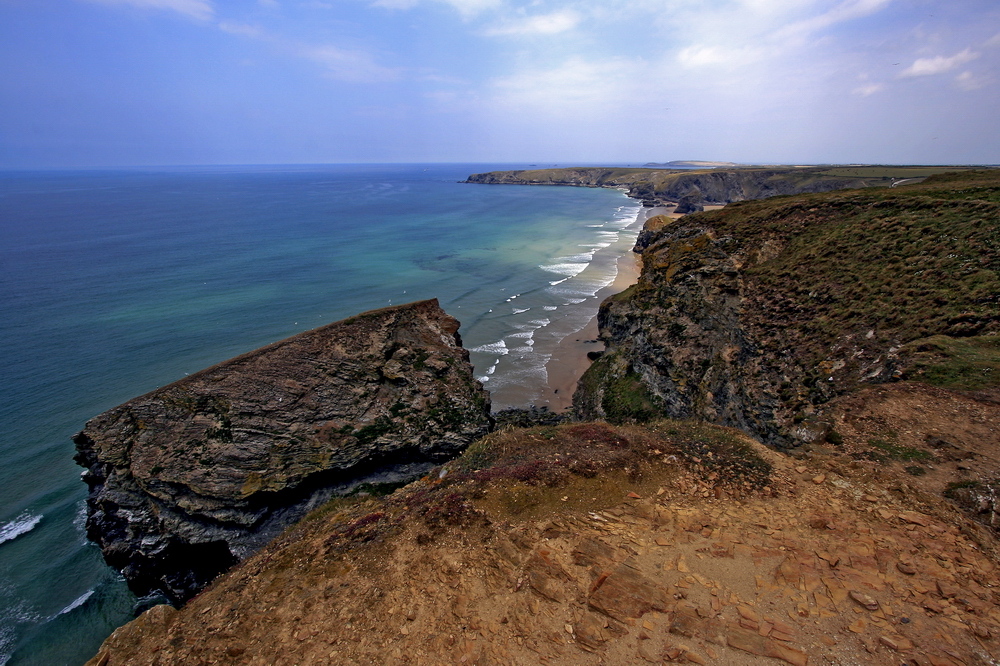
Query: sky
pixel 162 82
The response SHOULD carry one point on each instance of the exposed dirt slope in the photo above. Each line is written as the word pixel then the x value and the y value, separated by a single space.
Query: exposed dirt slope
pixel 587 544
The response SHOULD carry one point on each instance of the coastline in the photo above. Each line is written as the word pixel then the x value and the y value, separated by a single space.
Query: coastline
pixel 569 359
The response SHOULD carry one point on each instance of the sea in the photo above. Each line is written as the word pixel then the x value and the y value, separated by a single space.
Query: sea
pixel 115 282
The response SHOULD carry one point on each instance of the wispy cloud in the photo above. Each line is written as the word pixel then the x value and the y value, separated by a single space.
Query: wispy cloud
pixel 845 11
pixel 242 29
pixel 202 10
pixel 969 81
pixel 577 86
pixel 348 64
pixel 868 89
pixel 467 8
pixel 342 64
pixel 704 55
pixel 749 31
pixel 541 24
pixel 938 64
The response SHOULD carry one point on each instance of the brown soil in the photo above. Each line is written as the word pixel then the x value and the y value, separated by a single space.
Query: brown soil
pixel 627 546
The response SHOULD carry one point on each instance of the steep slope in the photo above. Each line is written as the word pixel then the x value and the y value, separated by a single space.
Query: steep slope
pixel 195 476
pixel 757 315
pixel 588 544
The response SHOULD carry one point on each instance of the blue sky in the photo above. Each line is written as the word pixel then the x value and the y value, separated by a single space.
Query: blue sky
pixel 151 82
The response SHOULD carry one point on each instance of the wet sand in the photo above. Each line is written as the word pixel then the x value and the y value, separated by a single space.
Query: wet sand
pixel 569 360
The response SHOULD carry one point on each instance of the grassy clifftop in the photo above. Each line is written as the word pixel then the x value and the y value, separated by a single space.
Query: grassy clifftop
pixel 757 314
pixel 713 185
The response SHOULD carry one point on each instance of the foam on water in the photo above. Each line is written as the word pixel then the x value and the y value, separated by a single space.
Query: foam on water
pixel 76 603
pixel 498 347
pixel 20 525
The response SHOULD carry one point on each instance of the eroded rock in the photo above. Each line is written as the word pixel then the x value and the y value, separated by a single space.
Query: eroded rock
pixel 188 479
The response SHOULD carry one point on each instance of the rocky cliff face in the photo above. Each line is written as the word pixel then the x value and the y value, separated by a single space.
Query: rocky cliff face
pixel 690 188
pixel 190 478
pixel 757 315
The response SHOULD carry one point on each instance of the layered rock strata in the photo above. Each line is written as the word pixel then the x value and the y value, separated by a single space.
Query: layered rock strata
pixel 193 477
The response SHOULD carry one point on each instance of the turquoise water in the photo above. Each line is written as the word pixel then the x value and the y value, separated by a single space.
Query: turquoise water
pixel 115 282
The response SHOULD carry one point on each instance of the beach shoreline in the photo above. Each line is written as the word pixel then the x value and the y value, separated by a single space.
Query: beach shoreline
pixel 569 360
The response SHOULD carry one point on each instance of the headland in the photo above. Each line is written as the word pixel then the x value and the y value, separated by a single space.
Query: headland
pixel 786 454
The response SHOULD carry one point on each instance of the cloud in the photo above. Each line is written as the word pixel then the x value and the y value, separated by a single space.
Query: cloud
pixel 542 24
pixel 845 11
pixel 202 10
pixel 467 8
pixel 938 64
pixel 349 65
pixel 969 81
pixel 749 31
pixel 242 29
pixel 994 40
pixel 576 86
pixel 697 56
pixel 868 89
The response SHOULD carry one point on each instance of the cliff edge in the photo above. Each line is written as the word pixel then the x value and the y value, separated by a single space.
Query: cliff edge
pixel 757 315
pixel 693 188
pixel 189 479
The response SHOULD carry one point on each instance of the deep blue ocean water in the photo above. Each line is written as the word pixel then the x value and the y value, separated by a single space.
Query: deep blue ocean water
pixel 115 282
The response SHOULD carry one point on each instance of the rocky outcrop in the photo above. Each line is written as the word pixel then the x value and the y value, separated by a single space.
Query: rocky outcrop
pixel 678 344
pixel 656 187
pixel 188 479
pixel 692 202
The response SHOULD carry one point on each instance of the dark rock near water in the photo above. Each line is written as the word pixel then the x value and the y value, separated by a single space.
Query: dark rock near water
pixel 692 202
pixel 528 417
pixel 189 479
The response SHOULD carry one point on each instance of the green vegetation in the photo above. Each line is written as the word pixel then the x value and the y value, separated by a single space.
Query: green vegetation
pixel 952 490
pixel 954 363
pixel 888 171
pixel 628 400
pixel 894 451
pixel 904 263
pixel 369 433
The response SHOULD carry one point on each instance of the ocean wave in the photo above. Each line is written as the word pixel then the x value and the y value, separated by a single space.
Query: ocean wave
pixel 520 310
pixel 20 525
pixel 550 308
pixel 499 347
pixel 541 322
pixel 569 269
pixel 555 282
pixel 79 601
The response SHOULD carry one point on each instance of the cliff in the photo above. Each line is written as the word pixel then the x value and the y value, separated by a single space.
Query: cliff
pixel 189 479
pixel 693 187
pixel 757 315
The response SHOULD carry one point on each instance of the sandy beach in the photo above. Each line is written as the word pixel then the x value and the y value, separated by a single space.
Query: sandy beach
pixel 569 360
